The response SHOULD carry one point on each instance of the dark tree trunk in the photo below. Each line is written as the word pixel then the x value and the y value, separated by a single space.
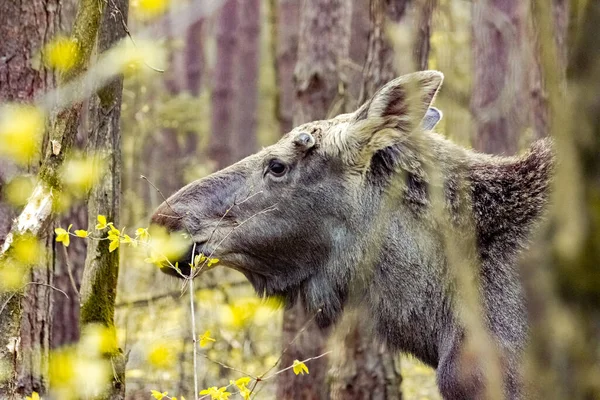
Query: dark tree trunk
pixel 364 368
pixel 26 318
pixel 323 46
pixel 170 152
pixel 499 103
pixel 286 54
pixel 69 263
pixel 99 281
pixel 561 272
pixel 246 87
pixel 538 94
pixel 68 268
pixel 422 43
pixel 379 64
pixel 195 65
pixel 220 148
pixel 322 51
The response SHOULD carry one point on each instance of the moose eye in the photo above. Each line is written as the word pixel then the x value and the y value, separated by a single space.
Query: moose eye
pixel 277 168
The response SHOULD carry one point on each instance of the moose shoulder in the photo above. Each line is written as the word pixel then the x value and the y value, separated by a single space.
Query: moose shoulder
pixel 359 208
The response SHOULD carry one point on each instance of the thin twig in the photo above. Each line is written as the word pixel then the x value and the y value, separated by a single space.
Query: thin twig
pixel 69 271
pixel 304 328
pixel 174 294
pixel 192 311
pixel 227 212
pixel 128 32
pixel 229 367
pixel 270 208
pixel 161 195
pixel 23 287
pixel 291 366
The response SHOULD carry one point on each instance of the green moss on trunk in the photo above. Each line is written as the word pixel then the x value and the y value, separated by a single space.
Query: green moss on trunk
pixel 99 306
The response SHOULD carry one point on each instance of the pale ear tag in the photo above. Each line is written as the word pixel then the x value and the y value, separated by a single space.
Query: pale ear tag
pixel 431 118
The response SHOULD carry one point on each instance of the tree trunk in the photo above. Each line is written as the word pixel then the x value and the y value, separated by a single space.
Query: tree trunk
pixel 538 94
pixel 561 271
pixel 246 94
pixel 69 263
pixel 499 103
pixel 170 151
pixel 25 318
pixel 68 268
pixel 287 29
pixel 220 148
pixel 323 46
pixel 195 65
pixel 99 282
pixel 364 369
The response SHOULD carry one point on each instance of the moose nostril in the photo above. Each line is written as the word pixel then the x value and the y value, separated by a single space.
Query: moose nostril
pixel 167 217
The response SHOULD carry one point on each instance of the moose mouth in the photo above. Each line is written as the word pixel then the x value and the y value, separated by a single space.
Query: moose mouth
pixel 183 268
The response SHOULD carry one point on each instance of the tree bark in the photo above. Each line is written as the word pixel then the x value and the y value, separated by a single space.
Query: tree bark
pixel 561 271
pixel 246 87
pixel 364 369
pixel 538 94
pixel 195 66
pixel 286 55
pixel 499 103
pixel 26 317
pixel 220 147
pixel 170 151
pixel 99 281
pixel 68 268
pixel 323 46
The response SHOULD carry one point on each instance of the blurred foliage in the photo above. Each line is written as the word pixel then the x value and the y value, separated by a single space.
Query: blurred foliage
pixel 241 332
pixel 21 129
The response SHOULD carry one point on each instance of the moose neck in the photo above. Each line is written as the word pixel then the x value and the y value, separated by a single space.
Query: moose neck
pixel 499 198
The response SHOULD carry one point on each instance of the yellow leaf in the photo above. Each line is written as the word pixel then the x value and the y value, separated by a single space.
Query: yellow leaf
pixel 245 393
pixel 19 189
pixel 242 384
pixel 150 8
pixel 34 396
pixel 161 356
pixel 299 367
pixel 156 259
pixel 79 175
pixel 81 233
pixel 158 395
pixel 243 381
pixel 61 54
pixel 128 240
pixel 21 129
pixel 27 250
pixel 205 339
pixel 208 391
pixel 62 236
pixel 101 222
pixel 212 262
pixel 216 394
pixel 169 246
pixel 142 234
pixel 113 231
pixel 198 259
pixel 114 243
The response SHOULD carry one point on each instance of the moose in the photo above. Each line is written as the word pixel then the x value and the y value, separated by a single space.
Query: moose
pixel 360 206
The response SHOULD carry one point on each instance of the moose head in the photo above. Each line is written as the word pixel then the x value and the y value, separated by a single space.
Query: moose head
pixel 295 217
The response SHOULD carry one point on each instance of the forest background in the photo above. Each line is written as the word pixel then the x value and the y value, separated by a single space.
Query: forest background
pixel 108 106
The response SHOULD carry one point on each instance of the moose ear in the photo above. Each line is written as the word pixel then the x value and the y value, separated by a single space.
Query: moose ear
pixel 398 108
pixel 431 118
pixel 406 99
